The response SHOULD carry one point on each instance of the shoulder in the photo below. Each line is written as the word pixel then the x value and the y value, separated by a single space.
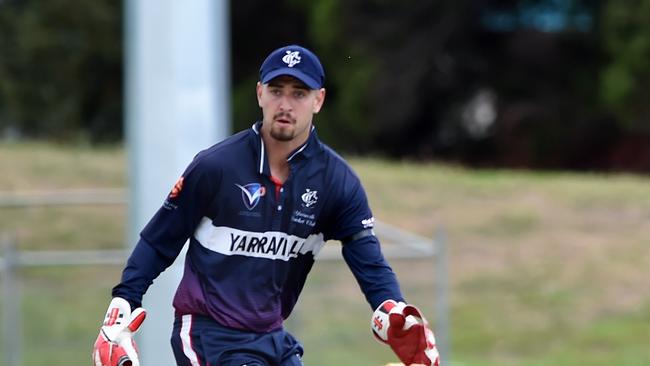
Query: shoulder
pixel 347 211
pixel 230 145
pixel 342 181
pixel 338 167
pixel 224 152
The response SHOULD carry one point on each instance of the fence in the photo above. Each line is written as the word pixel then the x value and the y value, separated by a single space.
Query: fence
pixel 12 260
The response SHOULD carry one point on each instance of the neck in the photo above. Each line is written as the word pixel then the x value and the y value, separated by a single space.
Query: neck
pixel 277 153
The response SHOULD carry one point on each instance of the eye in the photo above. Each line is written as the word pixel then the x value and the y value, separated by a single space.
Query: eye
pixel 299 94
pixel 275 91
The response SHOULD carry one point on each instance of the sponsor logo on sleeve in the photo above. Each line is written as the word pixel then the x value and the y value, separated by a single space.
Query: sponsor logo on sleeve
pixel 368 223
pixel 176 190
pixel 169 203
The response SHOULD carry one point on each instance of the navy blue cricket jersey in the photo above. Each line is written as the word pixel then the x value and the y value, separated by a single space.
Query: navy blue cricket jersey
pixel 252 239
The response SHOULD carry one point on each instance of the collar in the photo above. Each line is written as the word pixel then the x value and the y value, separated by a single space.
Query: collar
pixel 307 150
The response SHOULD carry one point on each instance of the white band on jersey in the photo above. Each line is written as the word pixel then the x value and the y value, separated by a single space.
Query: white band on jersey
pixel 269 244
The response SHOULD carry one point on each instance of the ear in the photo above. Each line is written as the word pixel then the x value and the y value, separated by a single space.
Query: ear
pixel 320 99
pixel 258 91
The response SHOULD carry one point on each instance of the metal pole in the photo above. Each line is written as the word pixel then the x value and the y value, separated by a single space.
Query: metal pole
pixel 11 317
pixel 442 296
pixel 177 103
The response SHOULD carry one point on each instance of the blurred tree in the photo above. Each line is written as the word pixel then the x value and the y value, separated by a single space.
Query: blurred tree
pixel 390 72
pixel 61 69
pixel 257 28
pixel 483 82
pixel 542 57
pixel 625 80
pixel 345 122
pixel 428 64
pixel 316 25
pixel 531 83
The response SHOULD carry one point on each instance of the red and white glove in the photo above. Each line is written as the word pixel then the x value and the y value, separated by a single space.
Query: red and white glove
pixel 115 345
pixel 407 333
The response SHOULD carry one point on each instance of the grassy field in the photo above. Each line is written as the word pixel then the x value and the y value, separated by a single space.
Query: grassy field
pixel 546 268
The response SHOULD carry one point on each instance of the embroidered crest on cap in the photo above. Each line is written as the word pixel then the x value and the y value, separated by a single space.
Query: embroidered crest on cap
pixel 291 58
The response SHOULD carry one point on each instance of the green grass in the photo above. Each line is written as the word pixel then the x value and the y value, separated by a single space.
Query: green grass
pixel 547 268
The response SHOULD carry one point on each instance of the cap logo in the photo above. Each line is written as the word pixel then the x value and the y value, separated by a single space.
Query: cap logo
pixel 291 58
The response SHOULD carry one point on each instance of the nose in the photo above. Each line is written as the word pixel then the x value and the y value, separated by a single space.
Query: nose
pixel 285 103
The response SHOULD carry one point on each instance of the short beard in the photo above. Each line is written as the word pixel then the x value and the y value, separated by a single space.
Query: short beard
pixel 282 135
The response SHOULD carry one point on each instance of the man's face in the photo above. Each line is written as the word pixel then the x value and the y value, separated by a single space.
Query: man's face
pixel 288 107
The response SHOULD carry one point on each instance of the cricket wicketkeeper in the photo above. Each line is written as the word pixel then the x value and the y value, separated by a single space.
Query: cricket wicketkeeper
pixel 257 208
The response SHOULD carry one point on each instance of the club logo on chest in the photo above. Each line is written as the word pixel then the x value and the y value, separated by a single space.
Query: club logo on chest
pixel 309 198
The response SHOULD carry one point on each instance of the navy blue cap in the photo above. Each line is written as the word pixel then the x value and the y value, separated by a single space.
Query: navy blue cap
pixel 295 61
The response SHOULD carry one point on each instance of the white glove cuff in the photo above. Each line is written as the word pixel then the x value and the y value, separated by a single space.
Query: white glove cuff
pixel 379 322
pixel 117 318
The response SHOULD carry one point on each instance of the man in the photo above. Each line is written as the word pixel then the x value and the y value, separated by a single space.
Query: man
pixel 257 208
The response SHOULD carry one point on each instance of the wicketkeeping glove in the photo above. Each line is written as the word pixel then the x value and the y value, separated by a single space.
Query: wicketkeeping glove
pixel 115 345
pixel 407 333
